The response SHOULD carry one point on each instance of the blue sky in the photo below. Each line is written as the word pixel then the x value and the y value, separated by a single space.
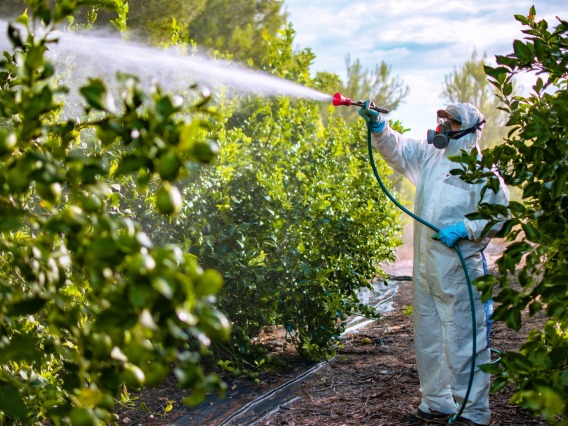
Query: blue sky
pixel 423 40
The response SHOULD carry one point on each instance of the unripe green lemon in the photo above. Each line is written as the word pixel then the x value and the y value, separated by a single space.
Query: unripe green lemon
pixel 107 402
pixel 141 264
pixel 49 191
pixel 168 199
pixel 205 151
pixel 101 345
pixel 216 326
pixel 92 203
pixel 18 181
pixel 168 166
pixel 73 216
pixel 83 417
pixel 133 376
pixel 8 142
pixel 155 374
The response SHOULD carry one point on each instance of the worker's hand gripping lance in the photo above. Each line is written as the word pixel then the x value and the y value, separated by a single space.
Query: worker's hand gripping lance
pixel 339 99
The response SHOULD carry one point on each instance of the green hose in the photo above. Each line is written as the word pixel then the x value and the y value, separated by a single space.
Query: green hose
pixel 459 253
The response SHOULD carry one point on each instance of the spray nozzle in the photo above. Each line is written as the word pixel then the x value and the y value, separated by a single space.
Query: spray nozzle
pixel 339 99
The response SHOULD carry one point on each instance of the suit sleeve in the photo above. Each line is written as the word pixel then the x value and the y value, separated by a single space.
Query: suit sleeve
pixel 404 155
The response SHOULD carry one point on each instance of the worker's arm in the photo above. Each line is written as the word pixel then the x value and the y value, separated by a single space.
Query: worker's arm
pixel 402 154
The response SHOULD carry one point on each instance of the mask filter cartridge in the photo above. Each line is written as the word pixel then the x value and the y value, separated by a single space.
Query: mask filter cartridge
pixel 439 137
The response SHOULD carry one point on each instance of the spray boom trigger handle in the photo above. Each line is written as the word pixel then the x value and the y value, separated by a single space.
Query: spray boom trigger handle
pixel 339 99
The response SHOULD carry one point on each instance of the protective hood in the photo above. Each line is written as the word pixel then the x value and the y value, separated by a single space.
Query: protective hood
pixel 470 116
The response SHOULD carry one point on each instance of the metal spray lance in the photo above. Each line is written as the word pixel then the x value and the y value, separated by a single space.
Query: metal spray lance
pixel 339 99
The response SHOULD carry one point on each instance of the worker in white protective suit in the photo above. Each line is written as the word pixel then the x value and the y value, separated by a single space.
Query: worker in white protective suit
pixel 441 305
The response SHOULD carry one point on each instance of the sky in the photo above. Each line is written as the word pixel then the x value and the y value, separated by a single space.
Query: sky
pixel 422 40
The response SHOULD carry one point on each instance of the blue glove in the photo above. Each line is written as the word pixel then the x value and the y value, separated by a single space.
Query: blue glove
pixel 374 120
pixel 451 234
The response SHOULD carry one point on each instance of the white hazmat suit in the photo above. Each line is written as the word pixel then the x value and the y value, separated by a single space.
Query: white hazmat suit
pixel 441 305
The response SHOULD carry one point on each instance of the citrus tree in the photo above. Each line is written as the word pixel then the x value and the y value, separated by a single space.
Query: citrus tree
pixel 288 212
pixel 88 300
pixel 291 215
pixel 533 158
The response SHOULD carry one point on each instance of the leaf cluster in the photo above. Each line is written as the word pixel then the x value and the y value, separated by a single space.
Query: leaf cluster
pixel 534 158
pixel 88 301
pixel 291 217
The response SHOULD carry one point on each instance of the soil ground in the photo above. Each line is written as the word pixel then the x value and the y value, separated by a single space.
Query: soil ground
pixel 371 381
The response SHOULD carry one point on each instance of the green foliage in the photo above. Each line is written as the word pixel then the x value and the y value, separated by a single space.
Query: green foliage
pixel 113 11
pixel 239 27
pixel 282 61
pixel 88 301
pixel 538 371
pixel 533 158
pixel 150 20
pixel 293 219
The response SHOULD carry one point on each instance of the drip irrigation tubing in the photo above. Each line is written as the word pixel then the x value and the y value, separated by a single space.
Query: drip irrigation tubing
pixel 249 407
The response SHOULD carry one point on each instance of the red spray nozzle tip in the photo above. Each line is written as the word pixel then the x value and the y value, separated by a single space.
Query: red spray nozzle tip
pixel 339 99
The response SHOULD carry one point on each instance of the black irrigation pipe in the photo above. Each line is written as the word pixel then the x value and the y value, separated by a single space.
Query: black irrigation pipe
pixel 257 401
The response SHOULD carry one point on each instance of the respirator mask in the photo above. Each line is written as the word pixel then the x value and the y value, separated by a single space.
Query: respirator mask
pixel 440 137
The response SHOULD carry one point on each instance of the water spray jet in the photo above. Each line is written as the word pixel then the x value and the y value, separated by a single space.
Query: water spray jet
pixel 96 54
